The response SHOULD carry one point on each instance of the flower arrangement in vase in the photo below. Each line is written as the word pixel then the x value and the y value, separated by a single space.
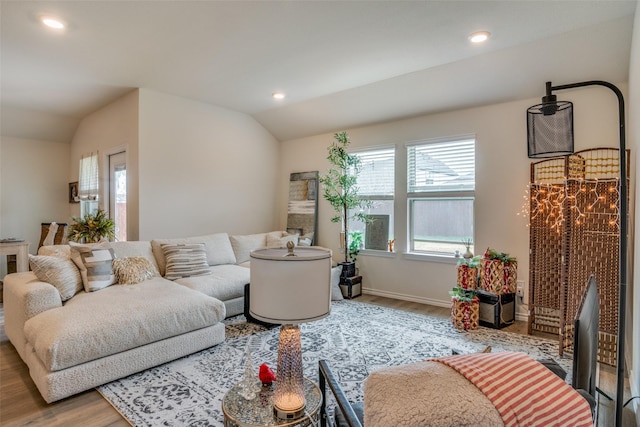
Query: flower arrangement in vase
pixel 92 228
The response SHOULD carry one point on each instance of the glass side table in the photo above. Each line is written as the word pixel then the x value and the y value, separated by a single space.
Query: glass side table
pixel 240 412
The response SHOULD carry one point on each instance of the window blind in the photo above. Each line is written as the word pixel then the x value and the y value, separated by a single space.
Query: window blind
pixel 88 179
pixel 377 173
pixel 441 166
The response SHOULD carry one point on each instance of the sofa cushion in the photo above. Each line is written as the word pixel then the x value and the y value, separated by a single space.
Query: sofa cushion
pixel 132 270
pixel 94 262
pixel 224 283
pixel 60 272
pixel 218 247
pixel 281 242
pixel 60 251
pixel 243 245
pixel 97 324
pixel 306 240
pixel 137 249
pixel 185 260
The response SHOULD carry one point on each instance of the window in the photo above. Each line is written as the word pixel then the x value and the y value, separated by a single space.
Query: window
pixel 440 195
pixel 88 179
pixel 376 182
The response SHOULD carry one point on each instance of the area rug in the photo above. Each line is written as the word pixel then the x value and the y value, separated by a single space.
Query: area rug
pixel 356 339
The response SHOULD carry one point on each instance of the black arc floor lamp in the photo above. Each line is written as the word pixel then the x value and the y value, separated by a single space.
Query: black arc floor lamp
pixel 550 134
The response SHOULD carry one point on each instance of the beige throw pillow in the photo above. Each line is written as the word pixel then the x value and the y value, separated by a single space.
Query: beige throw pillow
pixel 243 245
pixel 60 251
pixel 132 270
pixel 61 273
pixel 185 260
pixel 273 242
pixel 95 264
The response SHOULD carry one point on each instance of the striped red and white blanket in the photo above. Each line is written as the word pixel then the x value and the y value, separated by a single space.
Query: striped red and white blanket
pixel 524 392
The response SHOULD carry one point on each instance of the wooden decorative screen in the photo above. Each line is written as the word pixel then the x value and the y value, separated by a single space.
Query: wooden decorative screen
pixel 574 232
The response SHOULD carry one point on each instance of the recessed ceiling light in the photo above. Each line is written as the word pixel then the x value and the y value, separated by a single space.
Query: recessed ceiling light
pixel 52 22
pixel 479 36
pixel 278 95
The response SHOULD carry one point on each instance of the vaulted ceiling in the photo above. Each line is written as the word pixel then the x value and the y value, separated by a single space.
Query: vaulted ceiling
pixel 341 63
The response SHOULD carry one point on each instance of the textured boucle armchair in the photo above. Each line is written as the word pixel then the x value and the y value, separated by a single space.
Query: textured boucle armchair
pixel 419 394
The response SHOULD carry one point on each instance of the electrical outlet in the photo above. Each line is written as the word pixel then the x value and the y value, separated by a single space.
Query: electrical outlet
pixel 520 288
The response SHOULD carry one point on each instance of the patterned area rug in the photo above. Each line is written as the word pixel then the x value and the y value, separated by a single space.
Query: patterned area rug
pixel 355 339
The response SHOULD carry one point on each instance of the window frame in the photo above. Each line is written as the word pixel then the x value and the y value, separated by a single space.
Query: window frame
pixel 442 194
pixel 392 149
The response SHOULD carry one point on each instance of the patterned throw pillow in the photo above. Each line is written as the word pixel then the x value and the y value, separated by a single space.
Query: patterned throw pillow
pixel 185 260
pixel 60 272
pixel 132 270
pixel 94 263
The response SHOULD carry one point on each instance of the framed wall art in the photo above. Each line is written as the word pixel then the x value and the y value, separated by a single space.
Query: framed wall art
pixel 73 192
pixel 376 235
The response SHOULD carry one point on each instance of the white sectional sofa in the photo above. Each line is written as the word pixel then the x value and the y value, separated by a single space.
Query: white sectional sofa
pixel 76 340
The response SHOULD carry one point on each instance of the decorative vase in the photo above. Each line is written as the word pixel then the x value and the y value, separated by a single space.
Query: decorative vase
pixel 348 270
pixel 467 254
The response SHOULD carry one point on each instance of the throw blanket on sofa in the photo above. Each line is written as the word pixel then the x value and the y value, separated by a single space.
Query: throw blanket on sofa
pixel 524 392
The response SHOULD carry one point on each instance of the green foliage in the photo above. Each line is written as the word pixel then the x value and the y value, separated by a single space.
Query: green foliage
pixel 355 238
pixel 470 262
pixel 501 256
pixel 92 228
pixel 340 187
pixel 464 295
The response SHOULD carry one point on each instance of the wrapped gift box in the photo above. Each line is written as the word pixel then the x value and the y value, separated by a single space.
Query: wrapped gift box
pixel 467 277
pixel 465 315
pixel 498 277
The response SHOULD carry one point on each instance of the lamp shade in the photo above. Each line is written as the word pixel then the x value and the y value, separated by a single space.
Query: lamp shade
pixel 550 129
pixel 289 288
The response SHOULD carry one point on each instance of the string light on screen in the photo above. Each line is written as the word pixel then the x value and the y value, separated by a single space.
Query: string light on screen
pixel 550 202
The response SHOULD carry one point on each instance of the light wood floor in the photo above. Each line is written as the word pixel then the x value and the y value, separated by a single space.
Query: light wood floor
pixel 22 405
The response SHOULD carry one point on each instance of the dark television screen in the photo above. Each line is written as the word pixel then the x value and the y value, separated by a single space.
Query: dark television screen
pixel 585 340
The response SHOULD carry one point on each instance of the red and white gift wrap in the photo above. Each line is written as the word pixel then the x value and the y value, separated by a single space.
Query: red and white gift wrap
pixel 467 277
pixel 498 277
pixel 465 315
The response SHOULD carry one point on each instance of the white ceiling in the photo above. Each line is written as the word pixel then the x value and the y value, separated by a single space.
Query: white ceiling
pixel 341 63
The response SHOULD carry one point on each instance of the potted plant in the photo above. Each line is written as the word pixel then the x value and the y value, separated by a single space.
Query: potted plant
pixel 92 228
pixel 340 189
pixel 355 244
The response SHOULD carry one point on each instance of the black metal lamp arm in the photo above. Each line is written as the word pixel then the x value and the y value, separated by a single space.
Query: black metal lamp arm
pixel 622 296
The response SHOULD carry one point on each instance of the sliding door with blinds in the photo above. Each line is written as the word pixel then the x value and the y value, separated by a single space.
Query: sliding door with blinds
pixel 376 182
pixel 440 194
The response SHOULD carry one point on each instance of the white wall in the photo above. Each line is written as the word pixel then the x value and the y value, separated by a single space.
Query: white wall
pixel 633 134
pixel 34 177
pixel 203 169
pixel 502 175
pixel 111 129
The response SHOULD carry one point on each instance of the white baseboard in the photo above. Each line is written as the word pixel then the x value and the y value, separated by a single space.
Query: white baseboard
pixel 405 297
pixel 437 303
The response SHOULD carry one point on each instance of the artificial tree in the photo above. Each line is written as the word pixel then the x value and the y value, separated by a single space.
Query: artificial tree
pixel 340 189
